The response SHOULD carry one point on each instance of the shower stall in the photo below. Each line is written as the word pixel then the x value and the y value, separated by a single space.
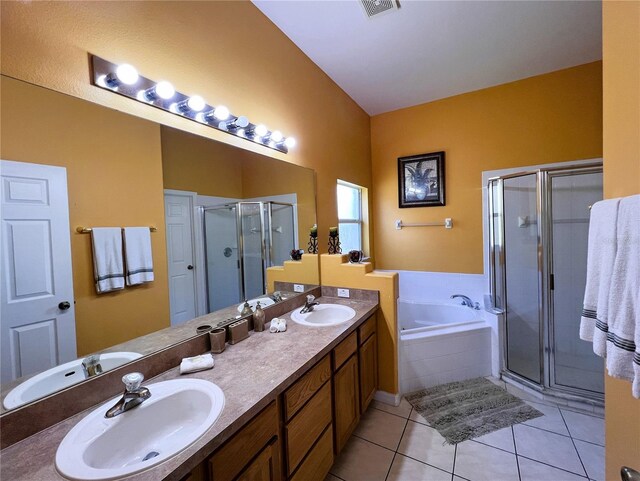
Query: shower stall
pixel 241 240
pixel 538 230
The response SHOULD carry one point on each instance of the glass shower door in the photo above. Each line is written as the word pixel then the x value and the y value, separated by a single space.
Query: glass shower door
pixel 574 365
pixel 521 277
pixel 221 250
pixel 252 248
pixel 281 228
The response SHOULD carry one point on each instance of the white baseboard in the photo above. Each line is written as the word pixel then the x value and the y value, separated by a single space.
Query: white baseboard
pixel 388 398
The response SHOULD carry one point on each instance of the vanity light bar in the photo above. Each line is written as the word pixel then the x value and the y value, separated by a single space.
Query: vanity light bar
pixel 124 80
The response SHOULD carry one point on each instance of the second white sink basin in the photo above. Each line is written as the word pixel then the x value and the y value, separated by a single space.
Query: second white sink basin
pixel 60 377
pixel 324 315
pixel 174 417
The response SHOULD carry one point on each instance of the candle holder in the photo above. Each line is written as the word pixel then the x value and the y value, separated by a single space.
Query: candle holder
pixel 313 240
pixel 334 241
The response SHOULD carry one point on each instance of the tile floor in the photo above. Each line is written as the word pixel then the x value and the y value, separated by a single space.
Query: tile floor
pixel 396 443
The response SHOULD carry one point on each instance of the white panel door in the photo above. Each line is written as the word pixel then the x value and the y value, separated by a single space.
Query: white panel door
pixel 178 210
pixel 37 316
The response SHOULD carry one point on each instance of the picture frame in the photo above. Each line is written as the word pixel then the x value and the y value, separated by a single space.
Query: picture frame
pixel 421 180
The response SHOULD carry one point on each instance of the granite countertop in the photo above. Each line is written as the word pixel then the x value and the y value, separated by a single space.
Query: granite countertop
pixel 251 374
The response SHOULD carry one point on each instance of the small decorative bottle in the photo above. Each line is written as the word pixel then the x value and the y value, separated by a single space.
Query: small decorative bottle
pixel 258 318
pixel 246 309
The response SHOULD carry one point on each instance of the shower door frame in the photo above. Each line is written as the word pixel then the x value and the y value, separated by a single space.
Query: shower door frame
pixel 545 265
pixel 269 212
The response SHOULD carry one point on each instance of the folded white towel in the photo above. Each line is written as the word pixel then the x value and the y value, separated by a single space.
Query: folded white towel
pixel 623 337
pixel 108 267
pixel 196 363
pixel 600 259
pixel 273 327
pixel 282 325
pixel 138 256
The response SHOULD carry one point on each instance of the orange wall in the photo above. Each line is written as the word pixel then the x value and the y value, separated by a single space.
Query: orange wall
pixel 549 118
pixel 114 177
pixel 228 52
pixel 621 129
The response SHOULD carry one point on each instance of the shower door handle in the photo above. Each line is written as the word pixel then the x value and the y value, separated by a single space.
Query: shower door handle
pixel 551 282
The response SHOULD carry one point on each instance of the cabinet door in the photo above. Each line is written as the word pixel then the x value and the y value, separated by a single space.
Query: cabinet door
pixel 346 401
pixel 368 372
pixel 264 467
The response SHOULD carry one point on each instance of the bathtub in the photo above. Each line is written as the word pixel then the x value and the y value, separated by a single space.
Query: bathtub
pixel 440 343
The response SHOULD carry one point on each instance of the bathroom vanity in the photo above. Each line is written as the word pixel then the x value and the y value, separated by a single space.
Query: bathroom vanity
pixel 292 400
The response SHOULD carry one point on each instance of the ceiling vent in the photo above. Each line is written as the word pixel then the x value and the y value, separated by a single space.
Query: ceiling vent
pixel 374 8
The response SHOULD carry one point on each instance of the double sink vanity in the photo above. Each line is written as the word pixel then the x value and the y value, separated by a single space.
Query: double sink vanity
pixel 275 406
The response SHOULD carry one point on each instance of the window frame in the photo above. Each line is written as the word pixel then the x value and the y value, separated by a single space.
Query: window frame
pixel 360 220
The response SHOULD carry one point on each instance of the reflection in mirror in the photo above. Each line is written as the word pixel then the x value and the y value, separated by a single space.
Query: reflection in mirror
pixel 223 215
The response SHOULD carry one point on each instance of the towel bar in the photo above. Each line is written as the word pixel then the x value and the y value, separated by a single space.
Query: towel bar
pixel 87 230
pixel 448 223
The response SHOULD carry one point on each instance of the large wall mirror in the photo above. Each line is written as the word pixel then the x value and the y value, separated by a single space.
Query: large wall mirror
pixel 223 216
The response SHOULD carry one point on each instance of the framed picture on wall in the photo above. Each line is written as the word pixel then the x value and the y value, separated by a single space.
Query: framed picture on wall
pixel 421 180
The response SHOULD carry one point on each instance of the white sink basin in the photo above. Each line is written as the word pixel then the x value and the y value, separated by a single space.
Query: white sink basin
pixel 324 315
pixel 60 377
pixel 174 417
pixel 264 302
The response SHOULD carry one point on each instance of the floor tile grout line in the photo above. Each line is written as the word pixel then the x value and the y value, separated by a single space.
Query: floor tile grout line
pixel 552 466
pixel 515 452
pixel 455 454
pixel 574 445
pixel 390 466
pixel 393 414
pixel 373 442
pixel 426 464
pixel 560 434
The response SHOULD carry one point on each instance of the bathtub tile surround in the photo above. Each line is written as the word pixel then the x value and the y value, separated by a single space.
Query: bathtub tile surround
pixel 498 456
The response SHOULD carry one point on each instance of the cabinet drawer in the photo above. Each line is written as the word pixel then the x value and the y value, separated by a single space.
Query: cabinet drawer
pixel 316 465
pixel 366 329
pixel 306 387
pixel 306 427
pixel 228 461
pixel 344 350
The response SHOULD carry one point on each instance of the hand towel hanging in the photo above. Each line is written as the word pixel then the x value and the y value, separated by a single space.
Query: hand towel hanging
pixel 138 255
pixel 108 266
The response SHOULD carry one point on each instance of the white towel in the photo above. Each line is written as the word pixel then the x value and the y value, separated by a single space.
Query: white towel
pixel 138 257
pixel 601 256
pixel 196 363
pixel 278 325
pixel 108 268
pixel 623 337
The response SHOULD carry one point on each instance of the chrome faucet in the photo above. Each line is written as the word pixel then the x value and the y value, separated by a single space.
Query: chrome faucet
pixel 466 301
pixel 276 296
pixel 309 304
pixel 91 366
pixel 134 394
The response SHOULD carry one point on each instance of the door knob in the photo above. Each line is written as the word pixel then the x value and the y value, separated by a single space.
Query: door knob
pixel 190 267
pixel 64 305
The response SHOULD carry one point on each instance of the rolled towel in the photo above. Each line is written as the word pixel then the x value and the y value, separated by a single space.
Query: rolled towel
pixel 196 363
pixel 282 325
pixel 274 325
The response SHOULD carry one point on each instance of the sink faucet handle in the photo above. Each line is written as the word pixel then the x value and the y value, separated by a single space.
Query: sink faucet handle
pixel 310 298
pixel 132 381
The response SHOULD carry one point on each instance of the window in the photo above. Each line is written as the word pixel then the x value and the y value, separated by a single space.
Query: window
pixel 350 220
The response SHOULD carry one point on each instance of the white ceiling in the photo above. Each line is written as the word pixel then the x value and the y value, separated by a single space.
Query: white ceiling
pixel 429 50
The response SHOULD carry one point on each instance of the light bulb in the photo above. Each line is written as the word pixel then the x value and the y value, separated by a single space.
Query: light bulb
pixel 261 130
pixel 221 112
pixel 276 136
pixel 290 142
pixel 223 126
pixel 164 90
pixel 242 122
pixel 127 74
pixel 196 103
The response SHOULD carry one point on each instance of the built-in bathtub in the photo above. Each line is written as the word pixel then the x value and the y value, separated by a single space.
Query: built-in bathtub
pixel 440 343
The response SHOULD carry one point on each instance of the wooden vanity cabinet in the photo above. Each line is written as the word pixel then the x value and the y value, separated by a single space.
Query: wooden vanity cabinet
pixel 251 454
pixel 346 393
pixel 307 407
pixel 368 362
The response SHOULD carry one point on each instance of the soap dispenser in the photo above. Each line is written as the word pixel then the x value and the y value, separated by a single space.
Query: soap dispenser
pixel 246 309
pixel 258 318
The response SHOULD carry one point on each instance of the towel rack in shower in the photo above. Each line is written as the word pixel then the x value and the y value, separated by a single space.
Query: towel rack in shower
pixel 87 230
pixel 448 223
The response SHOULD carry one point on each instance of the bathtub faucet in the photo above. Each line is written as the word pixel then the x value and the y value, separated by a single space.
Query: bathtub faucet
pixel 467 301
